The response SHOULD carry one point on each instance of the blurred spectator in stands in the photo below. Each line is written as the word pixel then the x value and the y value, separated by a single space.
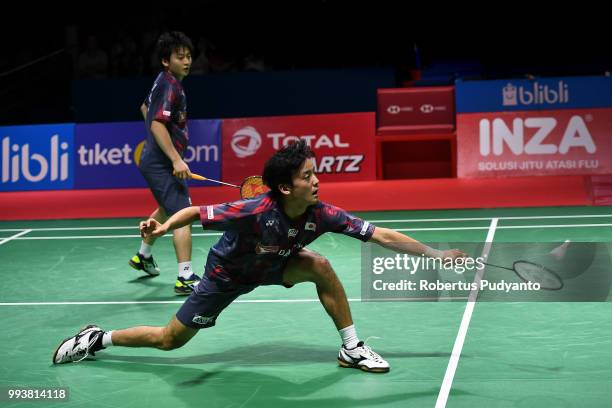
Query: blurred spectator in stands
pixel 222 60
pixel 116 54
pixel 149 40
pixel 253 62
pixel 201 65
pixel 130 63
pixel 93 61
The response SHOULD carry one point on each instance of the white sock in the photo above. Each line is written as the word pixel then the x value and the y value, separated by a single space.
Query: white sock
pixel 145 249
pixel 184 269
pixel 107 340
pixel 349 337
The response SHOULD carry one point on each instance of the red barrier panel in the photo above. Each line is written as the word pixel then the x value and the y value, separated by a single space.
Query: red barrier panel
pixel 416 110
pixel 343 144
pixel 354 196
pixel 526 143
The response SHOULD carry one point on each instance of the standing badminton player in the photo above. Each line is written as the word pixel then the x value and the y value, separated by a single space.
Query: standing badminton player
pixel 263 243
pixel 161 161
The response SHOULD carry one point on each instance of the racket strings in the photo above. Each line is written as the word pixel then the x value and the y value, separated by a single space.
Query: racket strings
pixel 536 273
pixel 252 186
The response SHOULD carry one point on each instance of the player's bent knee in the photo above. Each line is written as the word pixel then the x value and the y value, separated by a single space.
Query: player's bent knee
pixel 171 340
pixel 171 343
pixel 321 269
pixel 322 264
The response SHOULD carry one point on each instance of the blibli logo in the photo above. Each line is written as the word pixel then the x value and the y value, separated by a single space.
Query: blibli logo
pixel 20 161
pixel 538 94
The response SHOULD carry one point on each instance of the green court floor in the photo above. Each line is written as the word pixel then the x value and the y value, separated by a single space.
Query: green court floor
pixel 276 347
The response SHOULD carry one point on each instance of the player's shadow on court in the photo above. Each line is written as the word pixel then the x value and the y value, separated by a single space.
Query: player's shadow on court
pixel 158 288
pixel 266 354
pixel 234 386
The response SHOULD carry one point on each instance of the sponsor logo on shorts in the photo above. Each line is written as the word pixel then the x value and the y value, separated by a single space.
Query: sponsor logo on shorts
pixel 310 226
pixel 203 320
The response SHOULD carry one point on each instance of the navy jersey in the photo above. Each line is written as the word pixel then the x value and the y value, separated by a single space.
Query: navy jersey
pixel 259 238
pixel 166 103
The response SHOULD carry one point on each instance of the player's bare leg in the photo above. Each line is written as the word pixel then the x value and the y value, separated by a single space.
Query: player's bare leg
pixel 308 266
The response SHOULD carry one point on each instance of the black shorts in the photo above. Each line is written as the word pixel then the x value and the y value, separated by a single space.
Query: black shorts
pixel 210 297
pixel 171 193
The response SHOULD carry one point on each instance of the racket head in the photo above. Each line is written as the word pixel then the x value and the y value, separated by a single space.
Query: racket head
pixel 536 273
pixel 252 186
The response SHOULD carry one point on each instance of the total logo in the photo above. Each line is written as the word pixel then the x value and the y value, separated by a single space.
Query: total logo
pixel 18 161
pixel 538 94
pixel 247 141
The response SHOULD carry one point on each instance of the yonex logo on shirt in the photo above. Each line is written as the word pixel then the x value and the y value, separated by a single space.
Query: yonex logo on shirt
pixel 166 113
pixel 293 232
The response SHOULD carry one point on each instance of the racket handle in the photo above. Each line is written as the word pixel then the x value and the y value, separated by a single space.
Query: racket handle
pixel 193 176
pixel 198 177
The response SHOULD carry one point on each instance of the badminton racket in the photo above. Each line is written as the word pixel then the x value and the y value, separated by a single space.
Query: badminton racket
pixel 535 273
pixel 250 187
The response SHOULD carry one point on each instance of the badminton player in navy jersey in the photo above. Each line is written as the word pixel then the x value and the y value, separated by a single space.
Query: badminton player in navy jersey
pixel 263 243
pixel 161 161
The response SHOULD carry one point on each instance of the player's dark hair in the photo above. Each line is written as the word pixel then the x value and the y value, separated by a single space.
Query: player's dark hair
pixel 284 164
pixel 172 41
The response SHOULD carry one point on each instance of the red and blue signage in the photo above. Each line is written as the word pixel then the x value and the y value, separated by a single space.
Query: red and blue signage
pixel 553 126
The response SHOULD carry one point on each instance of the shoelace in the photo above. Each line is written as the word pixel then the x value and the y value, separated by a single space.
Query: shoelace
pixel 92 341
pixel 372 354
pixel 149 263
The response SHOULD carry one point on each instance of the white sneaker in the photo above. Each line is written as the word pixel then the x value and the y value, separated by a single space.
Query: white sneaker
pixel 79 347
pixel 362 357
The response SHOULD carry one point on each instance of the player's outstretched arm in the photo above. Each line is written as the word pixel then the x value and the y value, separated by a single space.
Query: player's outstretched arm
pixel 152 228
pixel 399 242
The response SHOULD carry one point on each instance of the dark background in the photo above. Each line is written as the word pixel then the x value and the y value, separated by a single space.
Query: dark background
pixel 495 40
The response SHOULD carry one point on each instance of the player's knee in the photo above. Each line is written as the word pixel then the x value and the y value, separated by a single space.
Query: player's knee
pixel 170 342
pixel 321 268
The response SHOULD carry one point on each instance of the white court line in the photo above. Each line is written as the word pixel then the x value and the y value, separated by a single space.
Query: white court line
pixel 203 234
pixel 179 302
pixel 157 302
pixel 501 227
pixel 16 236
pixel 133 227
pixel 214 234
pixel 533 217
pixel 465 323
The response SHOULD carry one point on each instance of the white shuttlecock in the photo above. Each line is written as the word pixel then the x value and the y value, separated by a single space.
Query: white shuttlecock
pixel 559 252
